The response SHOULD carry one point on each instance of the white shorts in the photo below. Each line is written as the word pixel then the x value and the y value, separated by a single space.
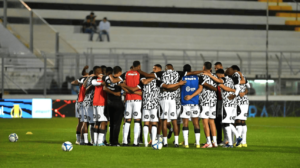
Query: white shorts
pixel 242 112
pixel 98 113
pixel 208 112
pixel 190 112
pixel 168 110
pixel 228 115
pixel 133 109
pixel 88 114
pixel 178 113
pixel 150 115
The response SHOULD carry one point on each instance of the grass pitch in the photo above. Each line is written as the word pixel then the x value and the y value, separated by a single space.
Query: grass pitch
pixel 272 142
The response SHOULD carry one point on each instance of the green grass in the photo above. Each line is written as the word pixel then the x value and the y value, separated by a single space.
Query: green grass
pixel 272 142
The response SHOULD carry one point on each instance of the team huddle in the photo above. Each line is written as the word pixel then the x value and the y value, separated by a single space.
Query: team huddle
pixel 162 100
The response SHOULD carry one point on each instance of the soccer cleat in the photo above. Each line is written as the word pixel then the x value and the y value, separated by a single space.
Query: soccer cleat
pixel 244 145
pixel 239 146
pixel 146 145
pixel 124 144
pixel 82 143
pixel 176 146
pixel 215 145
pixel 102 144
pixel 136 145
pixel 181 143
pixel 238 141
pixel 207 146
pixel 198 146
pixel 185 146
pixel 77 143
pixel 89 144
pixel 170 134
pixel 105 142
pixel 165 145
pixel 234 144
pixel 228 146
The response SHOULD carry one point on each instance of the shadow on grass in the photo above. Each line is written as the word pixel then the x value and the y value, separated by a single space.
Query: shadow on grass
pixel 46 141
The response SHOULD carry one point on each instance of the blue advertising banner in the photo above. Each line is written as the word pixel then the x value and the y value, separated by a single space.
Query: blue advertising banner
pixel 25 108
pixel 15 108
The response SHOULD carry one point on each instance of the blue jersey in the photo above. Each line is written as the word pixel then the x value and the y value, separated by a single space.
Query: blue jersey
pixel 192 84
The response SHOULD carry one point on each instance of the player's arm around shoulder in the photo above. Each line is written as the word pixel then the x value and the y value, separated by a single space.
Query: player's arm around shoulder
pixel 197 92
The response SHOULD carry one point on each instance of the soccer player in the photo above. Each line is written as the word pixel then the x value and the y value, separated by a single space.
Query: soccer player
pixel 168 103
pixel 133 102
pixel 242 106
pixel 78 104
pixel 190 106
pixel 88 109
pixel 227 85
pixel 115 105
pixel 99 102
pixel 208 100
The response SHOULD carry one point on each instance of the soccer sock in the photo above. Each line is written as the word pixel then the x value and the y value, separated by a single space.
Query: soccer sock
pixel 197 136
pixel 91 129
pixel 136 132
pixel 239 128
pixel 244 134
pixel 146 130
pixel 78 136
pixel 215 139
pixel 95 135
pixel 228 132
pixel 233 129
pixel 126 129
pixel 153 133
pixel 176 139
pixel 104 137
pixel 165 140
pixel 85 136
pixel 185 132
pixel 208 140
pixel 100 136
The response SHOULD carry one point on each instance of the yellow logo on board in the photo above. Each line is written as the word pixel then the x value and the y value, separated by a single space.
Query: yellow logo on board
pixel 16 111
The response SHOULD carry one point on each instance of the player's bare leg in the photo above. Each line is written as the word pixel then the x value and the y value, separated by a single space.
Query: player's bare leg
pixel 150 132
pixel 212 127
pixel 197 131
pixel 159 128
pixel 84 132
pixel 185 132
pixel 164 130
pixel 78 132
pixel 170 130
pixel 207 133
pixel 174 123
pixel 101 133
